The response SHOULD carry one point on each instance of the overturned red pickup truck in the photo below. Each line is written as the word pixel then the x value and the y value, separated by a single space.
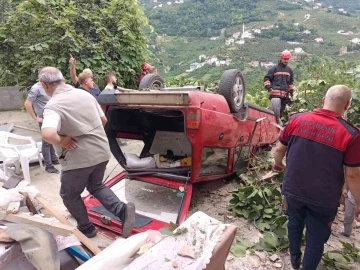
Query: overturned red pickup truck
pixel 188 135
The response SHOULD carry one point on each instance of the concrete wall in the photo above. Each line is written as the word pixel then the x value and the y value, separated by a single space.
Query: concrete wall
pixel 10 98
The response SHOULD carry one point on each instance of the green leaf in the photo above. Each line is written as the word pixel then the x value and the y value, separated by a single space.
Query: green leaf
pixel 269 211
pixel 337 257
pixel 267 192
pixel 253 194
pixel 341 266
pixel 271 240
pixel 347 246
pixel 173 225
pixel 166 231
pixel 244 242
pixel 264 226
pixel 238 251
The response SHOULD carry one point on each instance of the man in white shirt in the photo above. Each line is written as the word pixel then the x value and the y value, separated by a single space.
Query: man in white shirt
pixel 73 123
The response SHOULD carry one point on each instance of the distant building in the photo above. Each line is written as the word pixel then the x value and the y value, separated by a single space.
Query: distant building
pixel 169 3
pixel 257 31
pixel 240 42
pixel 228 61
pixel 214 38
pixel 229 41
pixel 236 35
pixel 343 50
pixel 319 39
pixel 299 50
pixel 254 63
pixel 194 66
pixel 356 40
pixel 202 56
pixel 307 32
pixel 213 60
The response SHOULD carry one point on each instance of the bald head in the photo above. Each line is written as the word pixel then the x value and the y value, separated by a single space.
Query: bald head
pixel 338 98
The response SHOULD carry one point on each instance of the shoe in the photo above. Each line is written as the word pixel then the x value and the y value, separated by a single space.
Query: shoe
pixel 295 262
pixel 89 232
pixel 346 235
pixel 51 169
pixel 129 220
pixel 56 162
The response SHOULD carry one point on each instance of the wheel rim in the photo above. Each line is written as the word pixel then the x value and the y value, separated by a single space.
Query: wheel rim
pixel 238 91
pixel 156 85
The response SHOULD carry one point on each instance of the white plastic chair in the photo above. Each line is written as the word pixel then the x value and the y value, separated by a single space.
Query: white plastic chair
pixel 13 155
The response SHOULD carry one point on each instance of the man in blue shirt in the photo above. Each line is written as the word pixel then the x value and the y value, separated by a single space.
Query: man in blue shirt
pixel 86 83
pixel 34 105
pixel 95 90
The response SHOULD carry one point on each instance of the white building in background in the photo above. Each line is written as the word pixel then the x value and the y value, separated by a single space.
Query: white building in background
pixel 319 39
pixel 240 42
pixel 154 1
pixel 356 40
pixel 307 32
pixel 169 3
pixel 194 66
pixel 213 60
pixel 236 35
pixel 214 38
pixel 202 56
pixel 228 61
pixel 299 50
pixel 246 34
pixel 229 41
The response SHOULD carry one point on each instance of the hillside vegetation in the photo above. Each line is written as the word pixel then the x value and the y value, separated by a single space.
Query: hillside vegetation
pixel 182 33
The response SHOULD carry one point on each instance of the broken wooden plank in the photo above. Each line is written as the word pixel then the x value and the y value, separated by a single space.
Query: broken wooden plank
pixel 43 223
pixel 13 208
pixel 29 203
pixel 79 235
pixel 52 211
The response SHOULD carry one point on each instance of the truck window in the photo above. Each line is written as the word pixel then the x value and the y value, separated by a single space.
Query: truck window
pixel 241 157
pixel 214 160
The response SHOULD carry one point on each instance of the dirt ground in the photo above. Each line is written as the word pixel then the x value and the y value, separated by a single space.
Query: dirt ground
pixel 211 198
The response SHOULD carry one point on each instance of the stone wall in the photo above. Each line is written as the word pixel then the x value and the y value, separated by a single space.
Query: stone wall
pixel 10 98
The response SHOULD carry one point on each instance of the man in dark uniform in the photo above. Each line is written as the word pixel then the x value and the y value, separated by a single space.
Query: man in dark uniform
pixel 279 81
pixel 322 149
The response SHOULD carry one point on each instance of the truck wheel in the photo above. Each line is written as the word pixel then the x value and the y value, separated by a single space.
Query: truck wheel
pixel 275 106
pixel 152 82
pixel 232 88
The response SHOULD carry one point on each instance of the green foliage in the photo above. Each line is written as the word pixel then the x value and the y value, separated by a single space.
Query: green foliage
pixel 103 35
pixel 203 18
pixel 256 202
pixel 288 32
pixel 284 5
pixel 341 259
pixel 315 76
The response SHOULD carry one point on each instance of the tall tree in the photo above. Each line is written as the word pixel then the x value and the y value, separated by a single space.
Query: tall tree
pixel 104 35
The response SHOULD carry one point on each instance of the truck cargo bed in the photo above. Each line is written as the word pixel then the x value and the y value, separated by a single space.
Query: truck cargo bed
pixel 153 98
